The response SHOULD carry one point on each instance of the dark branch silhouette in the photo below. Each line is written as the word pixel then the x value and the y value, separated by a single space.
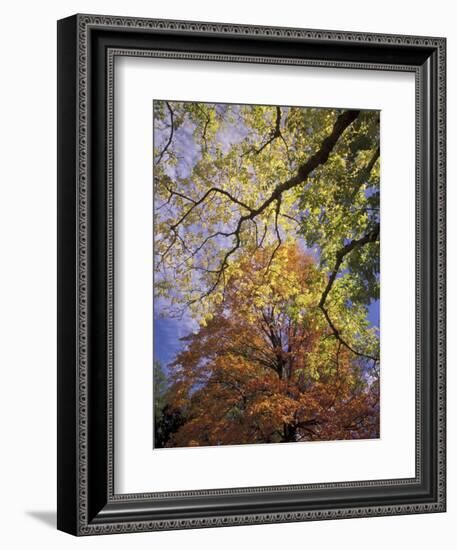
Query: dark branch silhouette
pixel 365 173
pixel 343 121
pixel 274 134
pixel 170 110
pixel 370 237
pixel 251 213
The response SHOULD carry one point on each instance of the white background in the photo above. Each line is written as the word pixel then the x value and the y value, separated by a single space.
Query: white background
pixel 137 469
pixel 28 280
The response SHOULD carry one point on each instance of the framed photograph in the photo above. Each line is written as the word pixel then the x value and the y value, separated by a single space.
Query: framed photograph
pixel 251 274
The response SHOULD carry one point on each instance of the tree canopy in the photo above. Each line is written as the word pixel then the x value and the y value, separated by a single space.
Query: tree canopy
pixel 267 234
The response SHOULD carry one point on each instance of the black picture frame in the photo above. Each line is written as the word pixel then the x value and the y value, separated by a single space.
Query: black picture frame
pixel 87 45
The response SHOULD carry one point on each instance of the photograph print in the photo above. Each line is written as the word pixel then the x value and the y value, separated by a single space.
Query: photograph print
pixel 266 274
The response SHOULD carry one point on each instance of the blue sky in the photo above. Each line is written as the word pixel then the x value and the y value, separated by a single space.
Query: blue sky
pixel 166 343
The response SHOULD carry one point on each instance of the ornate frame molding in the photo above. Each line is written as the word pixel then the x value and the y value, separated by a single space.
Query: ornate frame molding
pixel 77 507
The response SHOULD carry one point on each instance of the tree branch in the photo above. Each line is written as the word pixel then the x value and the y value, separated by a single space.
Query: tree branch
pixel 278 235
pixel 342 122
pixel 370 237
pixel 275 133
pixel 204 197
pixel 171 133
pixel 320 157
pixel 365 173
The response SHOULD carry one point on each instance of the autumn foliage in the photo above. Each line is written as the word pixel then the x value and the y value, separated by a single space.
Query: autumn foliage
pixel 265 367
pixel 267 237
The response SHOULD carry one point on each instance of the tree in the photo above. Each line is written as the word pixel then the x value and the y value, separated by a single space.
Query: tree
pixel 266 368
pixel 283 171
pixel 267 233
pixel 167 420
